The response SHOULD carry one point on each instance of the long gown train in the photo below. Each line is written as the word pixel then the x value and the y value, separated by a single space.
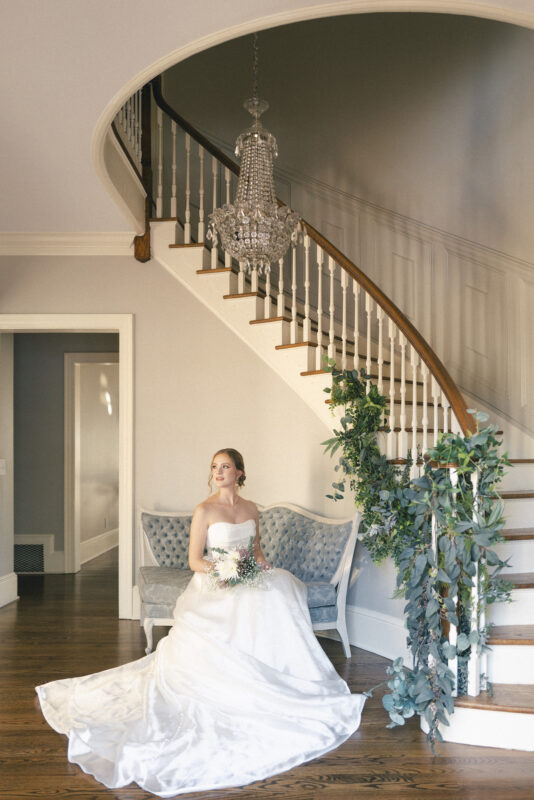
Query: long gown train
pixel 240 689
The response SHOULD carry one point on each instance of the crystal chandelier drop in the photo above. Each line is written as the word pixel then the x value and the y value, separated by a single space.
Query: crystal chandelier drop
pixel 255 230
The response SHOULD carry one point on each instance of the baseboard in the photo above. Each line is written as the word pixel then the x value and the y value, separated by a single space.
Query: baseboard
pixel 98 544
pixel 54 560
pixel 378 633
pixel 8 589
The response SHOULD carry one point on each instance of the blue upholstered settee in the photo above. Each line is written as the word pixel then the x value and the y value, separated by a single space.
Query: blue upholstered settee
pixel 318 550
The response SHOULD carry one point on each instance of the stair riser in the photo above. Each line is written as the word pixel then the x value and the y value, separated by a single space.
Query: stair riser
pixel 519 476
pixel 520 553
pixel 489 729
pixel 519 612
pixel 511 664
pixel 519 513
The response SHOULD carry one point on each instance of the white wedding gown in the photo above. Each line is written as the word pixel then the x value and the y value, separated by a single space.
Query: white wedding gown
pixel 240 689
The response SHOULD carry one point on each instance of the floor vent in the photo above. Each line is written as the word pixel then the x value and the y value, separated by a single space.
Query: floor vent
pixel 29 558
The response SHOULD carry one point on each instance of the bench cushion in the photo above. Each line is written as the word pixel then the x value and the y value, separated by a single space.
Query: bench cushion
pixel 162 585
pixel 320 593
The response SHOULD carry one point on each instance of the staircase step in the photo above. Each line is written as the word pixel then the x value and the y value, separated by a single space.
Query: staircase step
pixel 521 460
pixel 506 697
pixel 213 271
pixel 245 294
pixel 512 634
pixel 520 580
pixel 295 344
pixel 518 534
pixel 271 319
pixel 517 494
pixel 182 246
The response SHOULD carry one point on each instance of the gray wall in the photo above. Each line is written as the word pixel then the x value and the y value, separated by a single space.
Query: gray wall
pixel 39 435
pixel 428 115
pixel 6 453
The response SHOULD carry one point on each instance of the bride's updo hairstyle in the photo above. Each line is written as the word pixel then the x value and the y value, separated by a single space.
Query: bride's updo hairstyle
pixel 239 464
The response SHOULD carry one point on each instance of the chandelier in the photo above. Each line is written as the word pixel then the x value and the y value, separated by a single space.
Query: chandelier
pixel 255 230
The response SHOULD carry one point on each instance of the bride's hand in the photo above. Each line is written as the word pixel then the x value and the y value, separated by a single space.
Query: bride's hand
pixel 264 565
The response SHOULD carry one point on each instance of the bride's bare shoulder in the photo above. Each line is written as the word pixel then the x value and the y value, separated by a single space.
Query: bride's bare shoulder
pixel 250 507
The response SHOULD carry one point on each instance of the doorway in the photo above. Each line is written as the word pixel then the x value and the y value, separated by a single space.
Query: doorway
pixel 121 324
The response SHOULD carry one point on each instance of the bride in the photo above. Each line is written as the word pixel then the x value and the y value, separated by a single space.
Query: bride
pixel 238 690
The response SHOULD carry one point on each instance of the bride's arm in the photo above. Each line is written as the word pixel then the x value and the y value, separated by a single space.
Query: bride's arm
pixel 197 542
pixel 258 553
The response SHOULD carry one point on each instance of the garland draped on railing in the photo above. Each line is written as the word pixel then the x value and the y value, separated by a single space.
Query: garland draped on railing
pixel 440 529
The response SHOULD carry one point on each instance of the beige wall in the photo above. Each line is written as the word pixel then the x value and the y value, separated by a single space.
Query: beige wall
pixel 197 388
pixel 6 454
pixel 98 449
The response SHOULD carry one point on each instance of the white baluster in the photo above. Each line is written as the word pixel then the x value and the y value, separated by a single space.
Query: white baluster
pixel 254 279
pixel 267 304
pixel 392 437
pixel 241 278
pixel 356 293
pixel 344 286
pixel 159 194
pixel 435 402
pixel 187 226
pixel 445 405
pixel 139 117
pixel 306 331
pixel 281 300
pixel 380 355
pixel 414 361
pixel 201 194
pixel 174 212
pixel 294 321
pixel 473 666
pixel 424 420
pixel 331 332
pixel 453 630
pixel 320 260
pixel 368 311
pixel 403 442
pixel 215 174
pixel 227 256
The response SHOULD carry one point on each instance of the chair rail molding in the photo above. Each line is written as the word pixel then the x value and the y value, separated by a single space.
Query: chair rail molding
pixel 87 243
pixel 103 323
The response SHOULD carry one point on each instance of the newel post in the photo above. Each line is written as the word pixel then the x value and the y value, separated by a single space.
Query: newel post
pixel 142 243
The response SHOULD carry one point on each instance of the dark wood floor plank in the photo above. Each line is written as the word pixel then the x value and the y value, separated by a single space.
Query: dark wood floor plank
pixel 66 625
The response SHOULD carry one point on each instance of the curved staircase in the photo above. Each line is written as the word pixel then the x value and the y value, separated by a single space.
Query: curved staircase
pixel 317 303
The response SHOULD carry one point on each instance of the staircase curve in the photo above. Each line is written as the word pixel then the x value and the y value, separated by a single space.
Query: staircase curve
pixel 316 302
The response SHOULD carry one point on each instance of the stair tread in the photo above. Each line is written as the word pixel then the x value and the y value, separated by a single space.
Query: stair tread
pixel 518 534
pixel 295 344
pixel 517 494
pixel 521 580
pixel 243 294
pixel 521 460
pixel 269 319
pixel 506 697
pixel 191 244
pixel 511 634
pixel 213 271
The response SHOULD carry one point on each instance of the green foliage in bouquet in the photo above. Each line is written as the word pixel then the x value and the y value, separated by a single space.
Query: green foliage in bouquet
pixel 397 515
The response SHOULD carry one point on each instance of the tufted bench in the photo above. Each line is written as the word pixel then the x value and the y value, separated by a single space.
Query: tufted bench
pixel 318 550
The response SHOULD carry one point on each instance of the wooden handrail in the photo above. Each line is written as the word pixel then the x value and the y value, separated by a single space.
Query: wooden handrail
pixel 436 367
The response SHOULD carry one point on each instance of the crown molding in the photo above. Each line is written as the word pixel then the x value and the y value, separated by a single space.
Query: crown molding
pixel 89 243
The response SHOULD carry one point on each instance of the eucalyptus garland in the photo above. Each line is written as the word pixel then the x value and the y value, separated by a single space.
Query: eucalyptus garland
pixel 397 515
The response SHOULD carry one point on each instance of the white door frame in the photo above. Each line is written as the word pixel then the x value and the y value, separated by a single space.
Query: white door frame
pixel 102 323
pixel 71 529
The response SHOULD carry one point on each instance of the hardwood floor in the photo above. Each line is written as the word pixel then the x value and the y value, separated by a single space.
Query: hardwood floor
pixel 66 625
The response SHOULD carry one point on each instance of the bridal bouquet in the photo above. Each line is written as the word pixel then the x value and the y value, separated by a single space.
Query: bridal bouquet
pixel 235 566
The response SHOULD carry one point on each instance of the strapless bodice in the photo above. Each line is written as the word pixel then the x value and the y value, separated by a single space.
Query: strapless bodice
pixel 230 534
